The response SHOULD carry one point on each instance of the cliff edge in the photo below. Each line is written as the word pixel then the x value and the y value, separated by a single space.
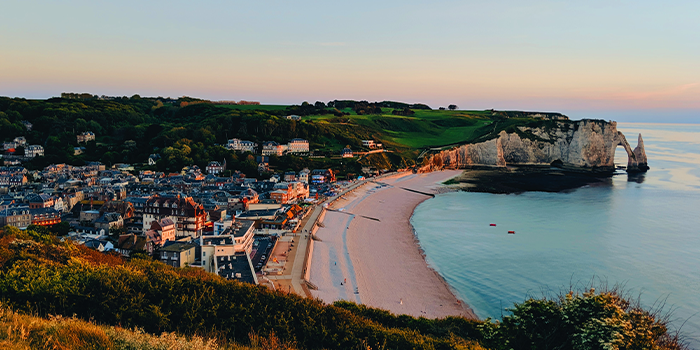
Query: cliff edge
pixel 578 145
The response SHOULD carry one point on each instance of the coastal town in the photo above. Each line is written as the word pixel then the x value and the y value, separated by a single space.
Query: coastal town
pixel 216 219
pixel 450 175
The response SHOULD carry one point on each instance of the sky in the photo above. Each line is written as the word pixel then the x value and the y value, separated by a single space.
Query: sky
pixel 623 60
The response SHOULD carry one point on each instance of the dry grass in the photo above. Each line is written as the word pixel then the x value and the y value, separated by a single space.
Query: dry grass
pixel 23 332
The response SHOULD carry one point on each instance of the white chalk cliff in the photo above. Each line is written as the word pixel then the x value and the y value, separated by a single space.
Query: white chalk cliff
pixel 584 144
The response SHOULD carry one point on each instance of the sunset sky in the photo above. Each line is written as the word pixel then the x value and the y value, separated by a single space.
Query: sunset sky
pixel 629 60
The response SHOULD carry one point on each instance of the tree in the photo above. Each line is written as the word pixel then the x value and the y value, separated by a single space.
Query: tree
pixel 452 107
pixel 60 229
pixel 115 231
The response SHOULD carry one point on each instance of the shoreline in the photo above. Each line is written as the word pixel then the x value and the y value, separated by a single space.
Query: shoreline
pixel 368 251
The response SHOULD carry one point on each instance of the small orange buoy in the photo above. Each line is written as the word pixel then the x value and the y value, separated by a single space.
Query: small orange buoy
pixel 492 225
pixel 511 232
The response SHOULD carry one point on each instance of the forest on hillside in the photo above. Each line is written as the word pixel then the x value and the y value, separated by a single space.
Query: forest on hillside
pixel 130 129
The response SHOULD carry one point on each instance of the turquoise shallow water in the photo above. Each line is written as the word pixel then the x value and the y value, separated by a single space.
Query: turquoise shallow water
pixel 643 232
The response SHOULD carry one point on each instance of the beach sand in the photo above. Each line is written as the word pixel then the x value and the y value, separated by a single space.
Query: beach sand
pixel 380 263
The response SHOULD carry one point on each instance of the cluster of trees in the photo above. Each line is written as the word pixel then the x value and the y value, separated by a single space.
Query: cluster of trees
pixel 128 130
pixel 342 104
pixel 40 274
pixel 403 112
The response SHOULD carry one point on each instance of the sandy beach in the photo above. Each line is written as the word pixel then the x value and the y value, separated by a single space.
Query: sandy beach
pixel 380 263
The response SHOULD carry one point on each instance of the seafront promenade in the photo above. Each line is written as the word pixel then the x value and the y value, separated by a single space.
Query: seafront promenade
pixel 293 278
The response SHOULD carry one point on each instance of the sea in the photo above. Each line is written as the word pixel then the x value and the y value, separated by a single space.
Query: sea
pixel 641 233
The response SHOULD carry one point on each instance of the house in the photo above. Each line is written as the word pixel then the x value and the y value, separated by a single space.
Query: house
pixel 85 136
pixel 290 176
pixel 99 245
pixel 293 117
pixel 272 147
pixel 58 204
pixel 280 196
pixel 45 216
pixel 19 217
pixel 304 176
pixel 237 239
pixel 129 244
pixel 368 143
pixel 215 168
pixel 298 146
pixel 241 145
pixel 109 220
pixel 78 151
pixel 89 216
pixel 187 215
pixel 89 232
pixel 178 254
pixel 346 153
pixel 162 231
pixel 125 208
pixel 40 201
pixel 34 151
pixel 319 176
pixel 153 158
pixel 13 180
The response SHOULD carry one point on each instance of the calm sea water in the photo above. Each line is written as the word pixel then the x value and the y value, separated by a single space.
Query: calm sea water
pixel 642 232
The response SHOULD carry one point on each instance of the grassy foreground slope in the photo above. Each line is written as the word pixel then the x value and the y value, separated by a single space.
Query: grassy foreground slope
pixel 43 276
pixel 23 332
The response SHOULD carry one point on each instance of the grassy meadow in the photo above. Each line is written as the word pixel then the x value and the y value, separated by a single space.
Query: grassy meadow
pixel 424 129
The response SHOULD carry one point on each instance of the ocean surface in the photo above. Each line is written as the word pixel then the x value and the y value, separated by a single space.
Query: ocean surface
pixel 642 232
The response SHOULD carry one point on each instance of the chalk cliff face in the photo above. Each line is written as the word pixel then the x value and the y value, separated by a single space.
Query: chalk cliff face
pixel 584 144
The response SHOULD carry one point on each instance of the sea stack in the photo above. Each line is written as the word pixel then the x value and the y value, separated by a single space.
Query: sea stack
pixel 640 158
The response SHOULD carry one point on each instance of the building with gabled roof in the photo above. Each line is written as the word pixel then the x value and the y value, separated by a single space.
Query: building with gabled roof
pixel 187 215
pixel 130 243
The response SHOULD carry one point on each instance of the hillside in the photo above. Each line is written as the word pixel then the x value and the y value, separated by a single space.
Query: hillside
pixel 41 275
pixel 187 131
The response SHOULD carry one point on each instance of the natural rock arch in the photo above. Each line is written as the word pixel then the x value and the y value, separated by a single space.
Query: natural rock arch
pixel 637 158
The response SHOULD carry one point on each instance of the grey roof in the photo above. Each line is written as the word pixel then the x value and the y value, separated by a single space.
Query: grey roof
pixel 236 267
pixel 178 247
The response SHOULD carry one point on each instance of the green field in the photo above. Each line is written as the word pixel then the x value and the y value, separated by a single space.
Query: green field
pixel 423 129
pixel 426 128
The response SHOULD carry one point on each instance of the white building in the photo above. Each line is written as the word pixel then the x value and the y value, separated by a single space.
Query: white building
pixel 304 176
pixel 17 142
pixel 298 146
pixel 237 238
pixel 34 151
pixel 214 168
pixel 293 117
pixel 346 153
pixel 241 145
pixel 272 147
pixel 368 143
